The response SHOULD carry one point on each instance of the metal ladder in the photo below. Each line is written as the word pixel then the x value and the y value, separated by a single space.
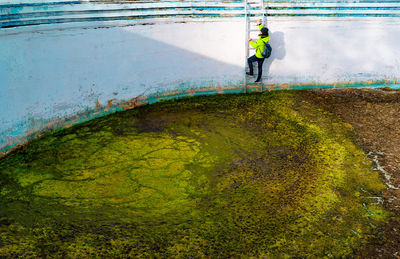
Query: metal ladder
pixel 254 10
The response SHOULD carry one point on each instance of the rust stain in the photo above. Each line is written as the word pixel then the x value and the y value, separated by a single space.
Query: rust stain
pixel 133 103
pixel 98 104
pixel 40 128
pixel 109 102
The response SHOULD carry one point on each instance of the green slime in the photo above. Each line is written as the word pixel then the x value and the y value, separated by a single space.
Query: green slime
pixel 218 176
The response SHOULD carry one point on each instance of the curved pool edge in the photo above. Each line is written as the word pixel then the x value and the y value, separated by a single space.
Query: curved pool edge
pixel 44 127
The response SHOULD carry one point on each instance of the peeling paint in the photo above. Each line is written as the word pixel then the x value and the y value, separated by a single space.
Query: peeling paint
pixel 102 110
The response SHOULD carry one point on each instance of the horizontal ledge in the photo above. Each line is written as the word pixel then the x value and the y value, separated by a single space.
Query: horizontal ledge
pixel 11 4
pixel 111 7
pixel 106 19
pixel 105 3
pixel 177 10
pixel 111 12
pixel 175 15
pixel 128 15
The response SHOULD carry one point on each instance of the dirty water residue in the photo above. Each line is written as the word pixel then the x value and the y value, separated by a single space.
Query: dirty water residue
pixel 228 176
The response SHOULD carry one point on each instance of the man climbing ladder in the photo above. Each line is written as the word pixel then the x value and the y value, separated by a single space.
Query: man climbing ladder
pixel 259 45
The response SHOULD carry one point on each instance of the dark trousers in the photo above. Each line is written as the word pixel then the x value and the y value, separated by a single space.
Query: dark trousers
pixel 260 62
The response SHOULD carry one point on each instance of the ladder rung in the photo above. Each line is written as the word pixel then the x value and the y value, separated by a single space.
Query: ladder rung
pixel 256 12
pixel 251 14
pixel 254 7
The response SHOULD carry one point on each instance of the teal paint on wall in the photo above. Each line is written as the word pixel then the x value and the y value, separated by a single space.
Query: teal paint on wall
pixel 30 14
pixel 148 100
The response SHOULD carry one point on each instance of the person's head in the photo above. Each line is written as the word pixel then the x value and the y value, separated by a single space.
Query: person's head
pixel 264 31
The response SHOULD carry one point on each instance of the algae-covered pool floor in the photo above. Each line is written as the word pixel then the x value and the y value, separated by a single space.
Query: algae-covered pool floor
pixel 374 116
pixel 265 174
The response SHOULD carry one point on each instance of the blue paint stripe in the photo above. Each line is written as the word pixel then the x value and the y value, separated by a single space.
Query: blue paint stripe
pixel 337 15
pixel 61 13
pixel 38 4
pixel 340 8
pixel 105 3
pixel 233 1
pixel 332 2
pixel 136 17
pixel 104 19
pixel 199 10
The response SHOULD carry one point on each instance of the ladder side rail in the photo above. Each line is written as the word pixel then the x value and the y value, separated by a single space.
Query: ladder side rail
pixel 247 35
pixel 264 20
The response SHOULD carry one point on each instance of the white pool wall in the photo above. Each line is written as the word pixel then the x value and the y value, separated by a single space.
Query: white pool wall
pixel 52 73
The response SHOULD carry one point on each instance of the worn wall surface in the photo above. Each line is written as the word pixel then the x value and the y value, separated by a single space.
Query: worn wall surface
pixel 54 74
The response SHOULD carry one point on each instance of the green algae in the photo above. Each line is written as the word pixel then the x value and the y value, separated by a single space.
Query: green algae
pixel 227 176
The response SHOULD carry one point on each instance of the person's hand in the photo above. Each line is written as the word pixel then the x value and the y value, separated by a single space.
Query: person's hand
pixel 249 39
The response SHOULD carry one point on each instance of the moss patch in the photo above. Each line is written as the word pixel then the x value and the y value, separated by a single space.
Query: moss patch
pixel 228 176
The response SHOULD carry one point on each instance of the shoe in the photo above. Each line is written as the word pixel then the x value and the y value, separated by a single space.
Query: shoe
pixel 247 73
pixel 257 81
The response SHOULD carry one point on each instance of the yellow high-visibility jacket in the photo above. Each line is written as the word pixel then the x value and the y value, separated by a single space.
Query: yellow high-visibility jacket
pixel 260 43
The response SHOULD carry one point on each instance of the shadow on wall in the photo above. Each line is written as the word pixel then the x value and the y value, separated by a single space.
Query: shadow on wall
pixel 277 42
pixel 56 78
